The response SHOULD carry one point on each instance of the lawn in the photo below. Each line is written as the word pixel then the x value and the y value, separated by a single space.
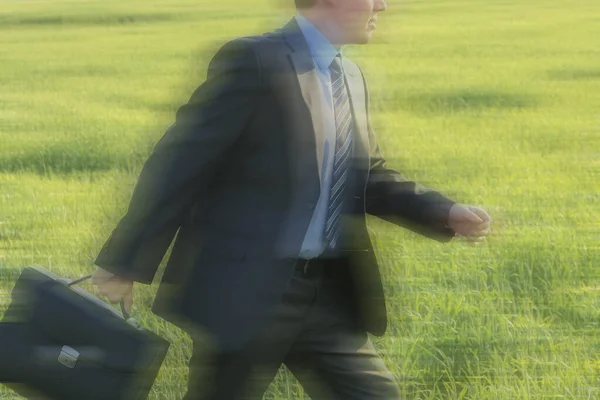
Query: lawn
pixel 495 103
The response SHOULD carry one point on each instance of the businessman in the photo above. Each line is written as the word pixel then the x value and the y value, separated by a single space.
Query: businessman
pixel 265 179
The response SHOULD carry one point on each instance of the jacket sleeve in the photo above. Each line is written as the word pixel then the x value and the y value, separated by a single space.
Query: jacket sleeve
pixel 392 197
pixel 183 161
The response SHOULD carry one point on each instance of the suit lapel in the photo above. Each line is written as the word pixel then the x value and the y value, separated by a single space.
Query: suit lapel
pixel 306 73
pixel 311 93
pixel 356 94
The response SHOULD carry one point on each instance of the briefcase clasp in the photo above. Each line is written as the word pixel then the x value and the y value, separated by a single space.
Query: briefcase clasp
pixel 68 356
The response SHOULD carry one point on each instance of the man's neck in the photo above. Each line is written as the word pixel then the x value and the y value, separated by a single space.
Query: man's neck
pixel 325 26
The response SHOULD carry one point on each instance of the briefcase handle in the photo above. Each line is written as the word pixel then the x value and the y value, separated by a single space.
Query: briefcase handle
pixel 76 281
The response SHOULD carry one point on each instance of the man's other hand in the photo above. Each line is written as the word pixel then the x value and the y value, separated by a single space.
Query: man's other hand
pixel 470 221
pixel 114 287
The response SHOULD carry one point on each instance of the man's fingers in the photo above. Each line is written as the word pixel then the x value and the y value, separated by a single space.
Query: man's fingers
pixel 105 288
pixel 472 238
pixel 128 301
pixel 115 297
pixel 115 290
pixel 471 216
pixel 484 225
pixel 481 213
pixel 481 232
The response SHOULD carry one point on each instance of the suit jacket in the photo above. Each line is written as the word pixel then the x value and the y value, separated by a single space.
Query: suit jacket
pixel 236 178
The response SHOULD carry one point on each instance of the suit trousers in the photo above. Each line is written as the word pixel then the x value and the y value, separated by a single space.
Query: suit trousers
pixel 313 332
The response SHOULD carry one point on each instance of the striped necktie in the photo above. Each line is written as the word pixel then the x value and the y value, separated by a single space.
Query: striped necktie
pixel 343 150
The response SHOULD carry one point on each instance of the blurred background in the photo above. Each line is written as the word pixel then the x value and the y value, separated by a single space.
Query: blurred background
pixel 495 103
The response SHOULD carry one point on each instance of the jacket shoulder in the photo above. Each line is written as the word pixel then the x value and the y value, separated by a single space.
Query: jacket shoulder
pixel 352 68
pixel 269 48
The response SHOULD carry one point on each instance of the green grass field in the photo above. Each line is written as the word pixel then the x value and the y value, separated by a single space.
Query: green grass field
pixel 495 103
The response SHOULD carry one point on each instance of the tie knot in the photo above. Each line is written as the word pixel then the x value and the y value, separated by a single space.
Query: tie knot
pixel 336 64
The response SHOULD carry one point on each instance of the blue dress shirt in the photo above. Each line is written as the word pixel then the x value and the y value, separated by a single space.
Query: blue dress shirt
pixel 323 53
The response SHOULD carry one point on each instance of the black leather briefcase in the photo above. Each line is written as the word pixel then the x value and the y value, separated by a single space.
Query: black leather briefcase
pixel 58 341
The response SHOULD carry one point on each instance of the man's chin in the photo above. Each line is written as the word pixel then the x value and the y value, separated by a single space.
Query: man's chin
pixel 363 39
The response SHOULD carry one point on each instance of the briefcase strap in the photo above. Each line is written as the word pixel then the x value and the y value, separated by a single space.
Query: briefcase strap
pixel 79 280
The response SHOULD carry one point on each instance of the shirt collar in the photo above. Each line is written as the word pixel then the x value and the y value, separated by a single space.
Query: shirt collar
pixel 321 49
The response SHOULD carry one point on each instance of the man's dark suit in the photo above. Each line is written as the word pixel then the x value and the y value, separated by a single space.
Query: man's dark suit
pixel 238 174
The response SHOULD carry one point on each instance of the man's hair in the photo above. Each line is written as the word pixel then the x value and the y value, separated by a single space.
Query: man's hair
pixel 305 3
